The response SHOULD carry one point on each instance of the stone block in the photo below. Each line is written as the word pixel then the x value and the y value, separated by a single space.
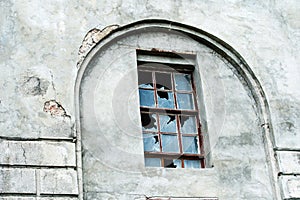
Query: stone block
pixel 289 162
pixel 17 181
pixel 58 181
pixel 57 198
pixel 17 198
pixel 37 124
pixel 37 198
pixel 41 153
pixel 290 187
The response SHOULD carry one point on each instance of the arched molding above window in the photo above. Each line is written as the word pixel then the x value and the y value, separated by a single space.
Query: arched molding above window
pixel 97 39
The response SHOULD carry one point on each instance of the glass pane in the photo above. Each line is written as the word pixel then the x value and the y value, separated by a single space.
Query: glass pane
pixel 146 98
pixel 170 143
pixel 149 121
pixel 163 81
pixel 168 123
pixel 151 142
pixel 190 144
pixel 152 162
pixel 172 163
pixel 185 101
pixel 188 124
pixel 191 163
pixel 145 79
pixel 177 163
pixel 165 99
pixel 183 82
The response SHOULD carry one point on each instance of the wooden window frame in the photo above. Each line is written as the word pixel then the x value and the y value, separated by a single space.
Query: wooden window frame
pixel 172 69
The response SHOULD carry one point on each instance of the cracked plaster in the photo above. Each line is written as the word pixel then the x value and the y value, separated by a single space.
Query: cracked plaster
pixel 42 39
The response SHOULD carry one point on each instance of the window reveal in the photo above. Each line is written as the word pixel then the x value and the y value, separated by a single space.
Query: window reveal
pixel 169 116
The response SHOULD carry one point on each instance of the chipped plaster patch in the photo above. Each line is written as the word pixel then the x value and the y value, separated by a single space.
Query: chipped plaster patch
pixel 91 39
pixel 35 86
pixel 54 108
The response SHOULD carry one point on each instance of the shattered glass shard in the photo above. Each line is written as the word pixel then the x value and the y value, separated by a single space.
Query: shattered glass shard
pixel 151 142
pixel 149 121
pixel 172 163
pixel 165 99
pixel 167 123
pixel 187 124
pixel 183 82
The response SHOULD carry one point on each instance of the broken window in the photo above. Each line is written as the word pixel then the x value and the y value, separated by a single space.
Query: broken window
pixel 169 115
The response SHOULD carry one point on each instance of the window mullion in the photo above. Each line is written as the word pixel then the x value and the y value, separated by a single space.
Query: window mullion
pixel 173 89
pixel 177 119
pixel 179 139
pixel 158 132
pixel 155 89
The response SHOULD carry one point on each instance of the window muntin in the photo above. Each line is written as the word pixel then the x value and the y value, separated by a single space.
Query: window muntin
pixel 169 116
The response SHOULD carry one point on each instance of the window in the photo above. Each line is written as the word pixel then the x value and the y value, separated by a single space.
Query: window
pixel 169 112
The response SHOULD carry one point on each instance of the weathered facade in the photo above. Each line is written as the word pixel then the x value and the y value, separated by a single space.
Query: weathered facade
pixel 69 104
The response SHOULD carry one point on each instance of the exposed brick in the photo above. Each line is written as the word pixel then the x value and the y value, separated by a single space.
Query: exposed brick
pixel 42 153
pixel 290 187
pixel 17 181
pixel 58 181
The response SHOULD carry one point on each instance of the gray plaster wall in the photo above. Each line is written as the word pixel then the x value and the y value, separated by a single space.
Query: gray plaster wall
pixel 39 42
pixel 113 161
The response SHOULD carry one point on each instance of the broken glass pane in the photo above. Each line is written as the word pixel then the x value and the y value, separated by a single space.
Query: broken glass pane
pixel 163 81
pixel 146 86
pixel 191 163
pixel 152 162
pixel 187 124
pixel 146 98
pixel 151 142
pixel 168 123
pixel 185 101
pixel 172 163
pixel 190 144
pixel 145 79
pixel 149 121
pixel 177 163
pixel 165 99
pixel 170 143
pixel 183 82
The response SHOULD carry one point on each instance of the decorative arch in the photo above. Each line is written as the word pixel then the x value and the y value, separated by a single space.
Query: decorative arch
pixel 96 39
